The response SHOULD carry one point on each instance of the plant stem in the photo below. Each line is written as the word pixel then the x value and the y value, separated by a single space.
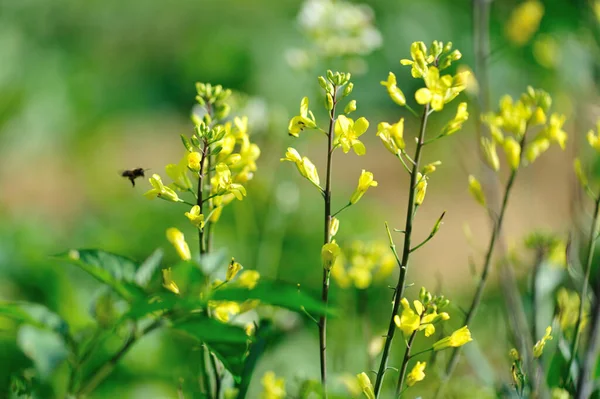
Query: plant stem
pixel 105 369
pixel 218 376
pixel 482 281
pixel 585 382
pixel 584 287
pixel 326 240
pixel 200 202
pixel 399 290
pixel 405 363
pixel 539 258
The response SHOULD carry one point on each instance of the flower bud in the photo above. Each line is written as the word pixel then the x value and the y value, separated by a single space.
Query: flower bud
pixel 334 225
pixel 348 89
pixel 490 155
pixel 329 254
pixel 232 270
pixel 328 102
pixel 475 190
pixel 350 107
pixel 323 83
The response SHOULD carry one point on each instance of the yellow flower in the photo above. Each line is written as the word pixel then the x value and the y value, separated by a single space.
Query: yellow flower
pixel 430 167
pixel 392 136
pixel 196 217
pixel 168 282
pixel 306 119
pixel 160 190
pixel 334 225
pixel 223 310
pixel 177 238
pixel 489 153
pixel 568 308
pixel 393 91
pixel 536 148
pixel 232 270
pixel 594 138
pixel 458 338
pixel 273 387
pixel 223 184
pixel 420 188
pixel 179 174
pixel 194 159
pixel 347 132
pixel 512 150
pixel 364 182
pixel 475 190
pixel 554 131
pixel 559 393
pixel 455 124
pixel 249 329
pixel 524 21
pixel 329 254
pixel 416 374
pixel 514 354
pixel 538 348
pixel 360 276
pixel 365 385
pixel 409 320
pixel 306 168
pixel 249 278
pixel 418 52
pixel 440 90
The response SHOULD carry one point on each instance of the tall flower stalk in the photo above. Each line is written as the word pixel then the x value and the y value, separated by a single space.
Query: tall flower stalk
pixel 524 131
pixel 583 385
pixel 342 132
pixel 438 91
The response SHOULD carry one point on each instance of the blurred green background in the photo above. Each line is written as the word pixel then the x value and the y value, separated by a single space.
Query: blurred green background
pixel 88 89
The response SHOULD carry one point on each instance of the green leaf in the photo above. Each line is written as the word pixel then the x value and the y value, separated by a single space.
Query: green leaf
pixel 45 348
pixel 113 270
pixel 558 365
pixel 144 273
pixel 273 293
pixel 36 315
pixel 227 342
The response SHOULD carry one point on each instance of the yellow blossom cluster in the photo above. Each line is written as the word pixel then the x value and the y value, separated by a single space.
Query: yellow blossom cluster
pixel 514 119
pixel 363 262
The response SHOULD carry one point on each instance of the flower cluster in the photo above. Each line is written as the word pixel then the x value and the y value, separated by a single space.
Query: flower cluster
pixel 219 156
pixel 363 262
pixel 273 387
pixel 510 125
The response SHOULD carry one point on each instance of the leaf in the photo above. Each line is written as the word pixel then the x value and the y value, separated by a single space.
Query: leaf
pixel 227 342
pixel 273 293
pixel 210 262
pixel 113 270
pixel 35 315
pixel 558 364
pixel 45 348
pixel 144 273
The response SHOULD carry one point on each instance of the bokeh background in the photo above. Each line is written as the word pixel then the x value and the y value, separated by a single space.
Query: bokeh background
pixel 88 89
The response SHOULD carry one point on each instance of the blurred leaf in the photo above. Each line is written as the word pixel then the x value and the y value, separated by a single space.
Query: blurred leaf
pixel 558 364
pixel 144 273
pixel 35 315
pixel 45 348
pixel 273 293
pixel 228 342
pixel 210 262
pixel 113 270
pixel 479 363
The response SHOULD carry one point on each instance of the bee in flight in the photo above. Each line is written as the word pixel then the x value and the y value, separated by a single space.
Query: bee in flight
pixel 132 174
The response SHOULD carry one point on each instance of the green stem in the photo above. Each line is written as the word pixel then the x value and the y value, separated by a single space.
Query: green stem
pixel 338 212
pixel 200 201
pixel 106 369
pixel 584 287
pixel 326 239
pixel 405 363
pixel 482 281
pixel 399 290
